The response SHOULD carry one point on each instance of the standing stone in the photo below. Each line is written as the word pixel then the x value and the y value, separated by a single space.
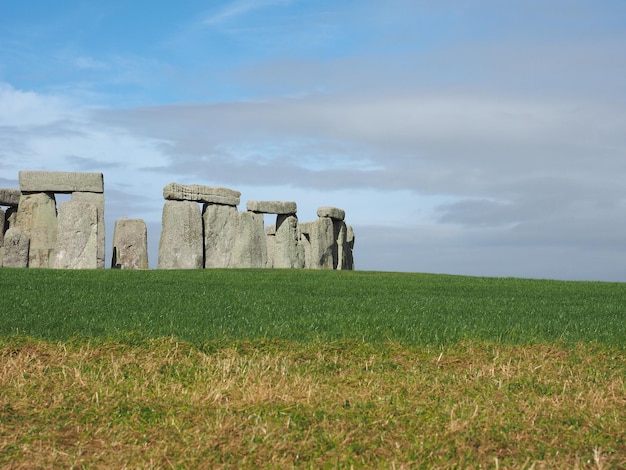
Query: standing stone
pixel 350 248
pixel 97 199
pixel 2 214
pixel 181 236
pixel 220 232
pixel 305 241
pixel 77 239
pixel 16 244
pixel 321 239
pixel 340 232
pixel 130 244
pixel 270 240
pixel 288 253
pixel 37 217
pixel 60 182
pixel 250 249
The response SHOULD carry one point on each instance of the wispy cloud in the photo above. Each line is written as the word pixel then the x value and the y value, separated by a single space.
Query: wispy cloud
pixel 240 8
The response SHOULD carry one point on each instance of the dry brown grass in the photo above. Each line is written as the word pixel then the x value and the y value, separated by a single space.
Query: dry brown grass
pixel 267 404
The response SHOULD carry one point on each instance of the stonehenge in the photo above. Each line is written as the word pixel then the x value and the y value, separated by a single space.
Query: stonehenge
pixel 233 239
pixel 202 228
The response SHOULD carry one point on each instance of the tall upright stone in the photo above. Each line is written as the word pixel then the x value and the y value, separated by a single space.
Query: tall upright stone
pixel 16 246
pixel 250 248
pixel 77 237
pixel 220 233
pixel 288 253
pixel 349 248
pixel 340 232
pixel 320 238
pixel 2 214
pixel 130 244
pixel 37 217
pixel 180 246
pixel 270 241
pixel 97 199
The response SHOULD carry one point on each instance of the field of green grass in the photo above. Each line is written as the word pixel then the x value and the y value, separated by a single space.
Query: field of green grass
pixel 202 306
pixel 309 369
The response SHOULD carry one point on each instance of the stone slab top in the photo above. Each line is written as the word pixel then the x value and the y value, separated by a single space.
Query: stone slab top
pixel 60 182
pixel 10 197
pixel 332 212
pixel 198 193
pixel 272 207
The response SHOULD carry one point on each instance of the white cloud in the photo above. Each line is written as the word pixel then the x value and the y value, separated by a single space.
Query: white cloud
pixel 240 8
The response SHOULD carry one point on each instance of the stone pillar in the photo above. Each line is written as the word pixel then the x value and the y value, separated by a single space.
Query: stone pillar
pixel 97 199
pixel 270 240
pixel 77 238
pixel 220 232
pixel 16 246
pixel 250 249
pixel 2 214
pixel 180 246
pixel 320 238
pixel 288 253
pixel 37 217
pixel 130 244
pixel 349 248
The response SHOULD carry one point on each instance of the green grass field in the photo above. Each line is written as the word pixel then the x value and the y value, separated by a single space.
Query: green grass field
pixel 202 306
pixel 309 369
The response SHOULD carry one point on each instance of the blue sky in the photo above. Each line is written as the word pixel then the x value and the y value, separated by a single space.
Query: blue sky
pixel 476 137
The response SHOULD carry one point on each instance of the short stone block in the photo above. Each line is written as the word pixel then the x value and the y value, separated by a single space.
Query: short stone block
pixel 16 246
pixel 130 244
pixel 10 197
pixel 332 212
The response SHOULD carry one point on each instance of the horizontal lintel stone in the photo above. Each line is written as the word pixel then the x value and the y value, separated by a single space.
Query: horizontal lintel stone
pixel 198 193
pixel 332 212
pixel 272 207
pixel 10 197
pixel 60 182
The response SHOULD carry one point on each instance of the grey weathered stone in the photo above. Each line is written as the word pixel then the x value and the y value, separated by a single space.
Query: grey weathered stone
pixel 350 248
pixel 60 182
pixel 340 232
pixel 272 207
pixel 220 231
pixel 288 253
pixel 77 237
pixel 250 249
pixel 130 244
pixel 270 241
pixel 318 239
pixel 97 199
pixel 2 214
pixel 332 212
pixel 16 246
pixel 37 217
pixel 198 193
pixel 181 244
pixel 10 197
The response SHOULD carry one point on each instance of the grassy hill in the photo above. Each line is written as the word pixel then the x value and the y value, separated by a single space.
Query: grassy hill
pixel 303 369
